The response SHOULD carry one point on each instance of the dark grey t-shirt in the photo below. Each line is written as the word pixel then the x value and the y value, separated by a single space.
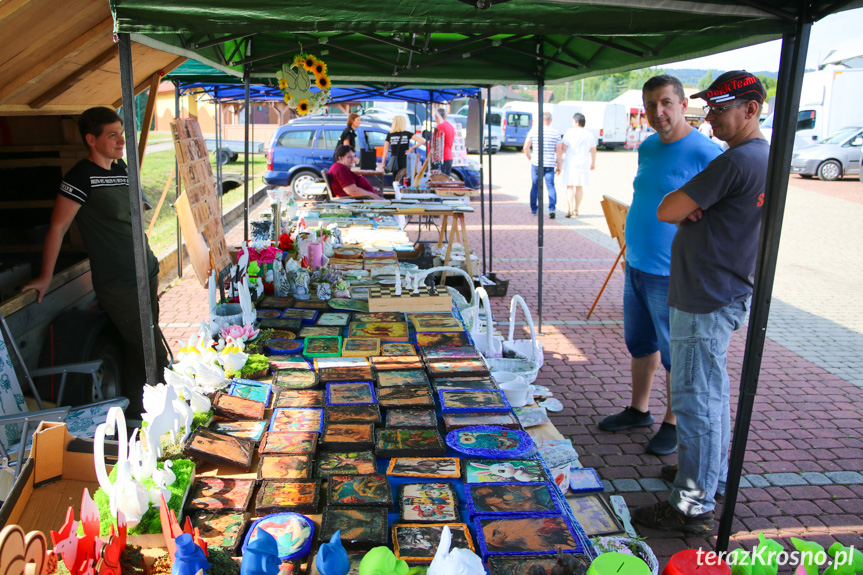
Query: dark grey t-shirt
pixel 713 259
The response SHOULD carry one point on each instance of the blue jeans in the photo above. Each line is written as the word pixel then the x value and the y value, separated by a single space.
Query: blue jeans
pixel 700 399
pixel 645 315
pixel 549 183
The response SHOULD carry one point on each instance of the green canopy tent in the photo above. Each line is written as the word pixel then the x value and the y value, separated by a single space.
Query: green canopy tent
pixel 487 42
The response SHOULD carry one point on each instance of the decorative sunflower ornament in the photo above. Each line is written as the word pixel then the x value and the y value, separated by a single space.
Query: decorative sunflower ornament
pixel 297 80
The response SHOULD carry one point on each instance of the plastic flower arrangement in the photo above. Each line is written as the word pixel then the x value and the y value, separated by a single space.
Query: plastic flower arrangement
pixel 297 79
pixel 240 332
pixel 265 256
pixel 286 244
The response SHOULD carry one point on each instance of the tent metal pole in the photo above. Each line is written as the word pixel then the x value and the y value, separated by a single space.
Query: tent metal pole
pixel 481 181
pixel 177 187
pixel 246 80
pixel 490 225
pixel 540 192
pixel 218 106
pixel 791 68
pixel 136 202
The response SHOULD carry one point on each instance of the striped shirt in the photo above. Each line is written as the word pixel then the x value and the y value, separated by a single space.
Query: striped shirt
pixel 551 137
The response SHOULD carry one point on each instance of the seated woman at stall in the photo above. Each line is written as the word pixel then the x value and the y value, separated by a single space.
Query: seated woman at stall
pixel 344 182
pixel 398 141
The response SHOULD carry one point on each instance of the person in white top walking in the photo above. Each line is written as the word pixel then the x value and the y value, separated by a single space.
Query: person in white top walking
pixel 706 129
pixel 578 160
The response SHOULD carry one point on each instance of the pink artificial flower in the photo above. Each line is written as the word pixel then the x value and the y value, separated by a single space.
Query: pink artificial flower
pixel 239 332
pixel 265 256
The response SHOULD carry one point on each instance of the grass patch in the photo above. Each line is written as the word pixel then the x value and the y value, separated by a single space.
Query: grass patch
pixel 156 137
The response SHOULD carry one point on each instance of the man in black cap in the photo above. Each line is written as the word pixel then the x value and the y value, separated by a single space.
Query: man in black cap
pixel 718 214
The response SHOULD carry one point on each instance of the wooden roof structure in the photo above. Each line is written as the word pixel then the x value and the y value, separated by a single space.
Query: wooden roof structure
pixel 61 58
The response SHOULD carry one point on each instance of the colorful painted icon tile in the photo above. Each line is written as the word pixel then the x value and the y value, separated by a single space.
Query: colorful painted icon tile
pixel 220 448
pixel 387 316
pixel 352 414
pixel 594 514
pixel 281 334
pixel 442 339
pixel 510 499
pixel 397 363
pixel 334 319
pixel 521 564
pixel 295 379
pixel 360 527
pixel 585 480
pixel 283 443
pixel 444 323
pixel 457 368
pixel 297 467
pixel 411 396
pixel 491 441
pixel 275 496
pixel 221 494
pixel 284 346
pixel 250 430
pixel 311 304
pixel 445 353
pixel 408 442
pixel 509 471
pixel 344 304
pixel 296 419
pixel 320 331
pixel 348 436
pixel 366 490
pixel 531 415
pixel 237 408
pixel 385 331
pixel 433 467
pixel 402 377
pixel 325 346
pixel 428 503
pixel 299 398
pixel 283 323
pixel 251 389
pixel 361 347
pixel 417 543
pixel 345 463
pixel 306 316
pixel 223 530
pixel 288 362
pixel 486 383
pixel 454 400
pixel 411 418
pixel 398 349
pixel 353 373
pixel 354 393
pixel 513 535
pixel 276 302
pixel 293 533
pixel 325 362
pixel 453 421
pixel 268 313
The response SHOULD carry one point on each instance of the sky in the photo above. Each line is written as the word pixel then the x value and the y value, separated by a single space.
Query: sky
pixel 827 34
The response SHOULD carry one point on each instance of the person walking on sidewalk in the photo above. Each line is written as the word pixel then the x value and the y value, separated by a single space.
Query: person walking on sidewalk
pixel 551 162
pixel 579 159
pixel 666 160
pixel 718 214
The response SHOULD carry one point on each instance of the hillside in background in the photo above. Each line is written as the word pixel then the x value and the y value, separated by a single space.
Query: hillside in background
pixel 691 76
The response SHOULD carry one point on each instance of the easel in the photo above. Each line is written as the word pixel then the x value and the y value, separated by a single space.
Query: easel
pixel 615 216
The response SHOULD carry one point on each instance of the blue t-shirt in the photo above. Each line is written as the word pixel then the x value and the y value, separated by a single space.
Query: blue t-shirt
pixel 662 169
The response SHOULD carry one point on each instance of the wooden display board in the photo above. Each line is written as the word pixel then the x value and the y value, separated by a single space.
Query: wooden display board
pixel 383 298
pixel 200 189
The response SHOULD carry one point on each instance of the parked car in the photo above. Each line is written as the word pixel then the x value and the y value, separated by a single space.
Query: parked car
pixel 833 157
pixel 386 115
pixel 303 148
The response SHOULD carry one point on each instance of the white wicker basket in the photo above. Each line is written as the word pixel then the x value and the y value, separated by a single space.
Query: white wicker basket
pixel 529 349
pixel 525 368
pixel 490 346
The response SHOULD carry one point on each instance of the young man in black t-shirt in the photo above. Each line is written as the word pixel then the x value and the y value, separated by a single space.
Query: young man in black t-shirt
pixel 95 193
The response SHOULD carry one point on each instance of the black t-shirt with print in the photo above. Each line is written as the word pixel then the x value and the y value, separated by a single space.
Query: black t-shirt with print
pixel 399 144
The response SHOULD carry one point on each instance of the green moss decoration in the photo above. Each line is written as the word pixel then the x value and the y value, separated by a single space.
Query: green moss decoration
pixel 258 344
pixel 221 563
pixel 150 522
pixel 254 364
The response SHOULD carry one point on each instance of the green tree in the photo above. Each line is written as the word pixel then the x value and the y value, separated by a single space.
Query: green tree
pixel 705 80
pixel 769 86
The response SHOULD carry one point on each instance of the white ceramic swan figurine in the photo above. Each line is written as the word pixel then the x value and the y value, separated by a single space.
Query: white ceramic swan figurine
pixel 125 494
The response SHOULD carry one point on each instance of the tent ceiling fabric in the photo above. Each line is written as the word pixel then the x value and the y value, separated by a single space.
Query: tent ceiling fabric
pixel 409 41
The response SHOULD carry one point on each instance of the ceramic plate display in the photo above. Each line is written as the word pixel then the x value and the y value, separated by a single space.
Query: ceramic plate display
pixel 311 304
pixel 379 316
pixel 398 349
pixel 361 347
pixel 284 323
pixel 275 302
pixel 327 362
pixel 360 527
pixel 411 396
pixel 510 499
pixel 334 374
pixel 306 316
pixel 237 408
pixel 325 346
pixel 284 346
pixel 402 377
pixel 221 494
pixel 299 398
pixel 251 389
pixel 268 313
pixel 524 535
pixel 418 543
pixel 457 368
pixel 531 415
pixel 408 443
pixel 352 414
pixel 283 443
pixel 291 419
pixel 250 430
pixel 365 490
pixel 456 400
pixel 275 496
pixel 444 323
pixel 298 467
pixel 442 339
pixel 348 253
pixel 397 363
pixel 490 441
pixel 348 436
pixel 223 530
pixel 293 533
pixel 338 303
pixel 444 353
pixel 356 393
pixel 386 331
pixel 334 319
pixel 521 564
pixel 411 418
pixel 496 471
pixel 453 421
pixel 428 503
pixel 433 467
pixel 594 515
pixel 585 480
pixel 295 379
pixel 345 463
pixel 320 330
pixel 464 383
pixel 280 362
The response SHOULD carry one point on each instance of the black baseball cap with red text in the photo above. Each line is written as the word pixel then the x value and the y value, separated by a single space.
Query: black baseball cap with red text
pixel 734 85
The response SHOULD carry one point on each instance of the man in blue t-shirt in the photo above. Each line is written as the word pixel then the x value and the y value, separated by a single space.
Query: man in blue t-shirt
pixel 666 160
